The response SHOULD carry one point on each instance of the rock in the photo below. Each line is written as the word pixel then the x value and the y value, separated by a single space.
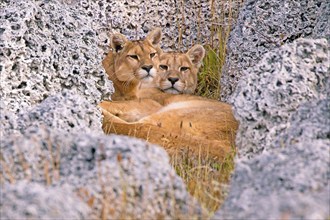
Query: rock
pixel 8 121
pixel 60 142
pixel 274 88
pixel 65 111
pixel 116 176
pixel 265 25
pixel 194 20
pixel 26 200
pixel 322 27
pixel 310 123
pixel 291 180
pixel 46 47
pixel 283 106
pixel 290 205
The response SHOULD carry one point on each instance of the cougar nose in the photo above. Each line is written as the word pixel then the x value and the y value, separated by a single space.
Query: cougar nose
pixel 147 68
pixel 173 80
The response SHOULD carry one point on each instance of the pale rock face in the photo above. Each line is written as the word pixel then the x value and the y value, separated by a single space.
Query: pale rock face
pixel 265 25
pixel 46 48
pixel 27 200
pixel 279 84
pixel 274 89
pixel 283 106
pixel 290 181
pixel 60 142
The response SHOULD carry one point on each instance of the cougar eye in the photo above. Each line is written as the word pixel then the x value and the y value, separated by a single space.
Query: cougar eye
pixel 135 57
pixel 184 68
pixel 152 55
pixel 163 67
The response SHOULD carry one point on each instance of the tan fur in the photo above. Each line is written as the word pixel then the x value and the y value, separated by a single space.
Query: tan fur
pixel 132 110
pixel 175 121
pixel 131 62
pixel 181 68
pixel 203 126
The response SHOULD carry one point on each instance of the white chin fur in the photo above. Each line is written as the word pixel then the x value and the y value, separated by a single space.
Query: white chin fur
pixel 153 72
pixel 171 91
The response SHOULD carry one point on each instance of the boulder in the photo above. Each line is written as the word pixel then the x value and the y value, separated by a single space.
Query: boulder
pixel 27 200
pixel 273 90
pixel 265 25
pixel 47 47
pixel 282 164
pixel 60 142
pixel 290 182
pixel 66 112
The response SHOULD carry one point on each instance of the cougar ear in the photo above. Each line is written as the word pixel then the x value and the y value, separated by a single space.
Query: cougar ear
pixel 155 36
pixel 117 42
pixel 196 54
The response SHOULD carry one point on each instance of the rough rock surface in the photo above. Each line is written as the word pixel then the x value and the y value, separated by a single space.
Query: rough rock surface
pixel 282 169
pixel 274 89
pixel 26 200
pixel 117 176
pixel 192 19
pixel 45 47
pixel 64 111
pixel 51 80
pixel 265 25
pixel 291 181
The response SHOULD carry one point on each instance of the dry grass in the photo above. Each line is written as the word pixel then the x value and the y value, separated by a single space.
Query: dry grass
pixel 206 179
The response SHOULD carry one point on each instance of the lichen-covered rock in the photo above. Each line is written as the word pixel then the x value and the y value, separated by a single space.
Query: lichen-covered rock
pixel 117 176
pixel 46 46
pixel 286 205
pixel 26 200
pixel 292 179
pixel 59 142
pixel 283 105
pixel 273 90
pixel 311 122
pixel 8 121
pixel 265 25
pixel 64 111
pixel 183 23
pixel 322 27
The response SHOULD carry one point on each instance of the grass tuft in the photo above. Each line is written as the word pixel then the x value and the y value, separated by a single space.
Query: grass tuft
pixel 209 75
pixel 206 179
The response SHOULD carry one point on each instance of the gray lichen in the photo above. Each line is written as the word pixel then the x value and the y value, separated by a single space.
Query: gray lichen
pixel 282 167
pixel 275 87
pixel 265 25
